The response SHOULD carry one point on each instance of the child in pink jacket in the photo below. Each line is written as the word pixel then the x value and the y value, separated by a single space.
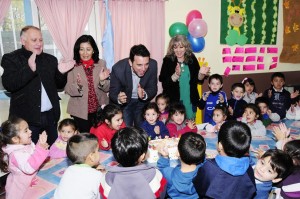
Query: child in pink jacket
pixel 20 156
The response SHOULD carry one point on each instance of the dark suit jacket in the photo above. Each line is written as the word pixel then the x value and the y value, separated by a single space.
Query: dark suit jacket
pixel 25 85
pixel 170 88
pixel 121 80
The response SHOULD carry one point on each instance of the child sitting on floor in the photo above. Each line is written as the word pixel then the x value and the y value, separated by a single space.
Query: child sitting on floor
pixel 252 118
pixel 267 116
pixel 108 121
pixel 229 174
pixel 132 178
pixel 191 149
pixel 219 117
pixel 20 156
pixel 272 167
pixel 162 101
pixel 66 129
pixel 155 128
pixel 81 180
pixel 177 124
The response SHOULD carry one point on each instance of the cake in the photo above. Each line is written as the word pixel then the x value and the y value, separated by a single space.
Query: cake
pixel 170 147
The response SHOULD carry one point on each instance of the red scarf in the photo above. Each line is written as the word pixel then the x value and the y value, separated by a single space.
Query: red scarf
pixel 88 63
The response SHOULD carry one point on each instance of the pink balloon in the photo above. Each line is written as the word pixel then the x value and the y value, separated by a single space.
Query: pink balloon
pixel 194 14
pixel 198 28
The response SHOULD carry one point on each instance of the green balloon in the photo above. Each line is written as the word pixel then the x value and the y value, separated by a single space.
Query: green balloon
pixel 178 28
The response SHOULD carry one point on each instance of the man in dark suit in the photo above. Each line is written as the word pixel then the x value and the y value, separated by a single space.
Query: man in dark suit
pixel 133 83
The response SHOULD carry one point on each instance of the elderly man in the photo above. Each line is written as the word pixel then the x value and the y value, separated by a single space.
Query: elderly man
pixel 33 78
pixel 133 83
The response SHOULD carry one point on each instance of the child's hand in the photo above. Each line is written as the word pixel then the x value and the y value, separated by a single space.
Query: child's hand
pixel 270 93
pixel 230 110
pixel 259 153
pixel 281 132
pixel 269 112
pixel 221 98
pixel 292 108
pixel 104 143
pixel 161 148
pixel 157 130
pixel 295 94
pixel 205 96
pixel 104 74
pixel 191 124
pixel 42 142
pixel 101 168
pixel 259 95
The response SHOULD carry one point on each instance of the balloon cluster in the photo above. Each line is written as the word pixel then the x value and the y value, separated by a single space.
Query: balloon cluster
pixel 195 29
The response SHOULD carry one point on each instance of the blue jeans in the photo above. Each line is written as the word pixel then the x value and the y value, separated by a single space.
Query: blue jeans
pixel 133 112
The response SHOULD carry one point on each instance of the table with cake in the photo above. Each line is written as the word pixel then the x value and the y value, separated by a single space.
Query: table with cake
pixel 50 174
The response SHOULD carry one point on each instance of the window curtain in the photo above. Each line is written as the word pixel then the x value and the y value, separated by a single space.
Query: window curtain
pixel 137 22
pixel 66 21
pixel 4 6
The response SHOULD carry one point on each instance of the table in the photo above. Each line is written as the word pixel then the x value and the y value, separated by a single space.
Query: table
pixel 51 172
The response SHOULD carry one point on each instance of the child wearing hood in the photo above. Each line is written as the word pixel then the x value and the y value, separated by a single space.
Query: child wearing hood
pixel 191 149
pixel 229 174
pixel 131 178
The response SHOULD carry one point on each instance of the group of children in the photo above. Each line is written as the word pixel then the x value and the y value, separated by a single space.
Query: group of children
pixel 235 120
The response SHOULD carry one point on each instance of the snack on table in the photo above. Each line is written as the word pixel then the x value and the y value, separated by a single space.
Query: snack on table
pixel 170 145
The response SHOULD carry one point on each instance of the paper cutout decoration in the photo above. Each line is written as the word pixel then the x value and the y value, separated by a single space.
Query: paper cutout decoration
pixel 227 71
pixel 236 67
pixel 253 58
pixel 291 36
pixel 248 67
pixel 226 51
pixel 260 21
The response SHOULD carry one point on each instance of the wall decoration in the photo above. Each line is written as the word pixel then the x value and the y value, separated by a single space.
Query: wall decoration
pixel 254 58
pixel 249 22
pixel 291 35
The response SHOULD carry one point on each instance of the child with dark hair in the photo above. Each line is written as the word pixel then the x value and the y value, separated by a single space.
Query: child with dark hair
pixel 177 124
pixel 229 174
pixel 66 129
pixel 20 156
pixel 108 120
pixel 250 90
pixel 131 178
pixel 219 117
pixel 191 149
pixel 294 111
pixel 252 118
pixel 154 128
pixel 163 101
pixel 289 187
pixel 279 98
pixel 81 180
pixel 236 104
pixel 267 116
pixel 215 96
pixel 272 167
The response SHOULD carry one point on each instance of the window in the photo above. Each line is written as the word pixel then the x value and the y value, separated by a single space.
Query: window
pixel 25 12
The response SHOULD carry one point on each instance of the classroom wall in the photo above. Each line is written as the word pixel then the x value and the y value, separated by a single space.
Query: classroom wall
pixel 177 10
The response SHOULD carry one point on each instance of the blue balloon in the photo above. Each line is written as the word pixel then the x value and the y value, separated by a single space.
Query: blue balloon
pixel 197 44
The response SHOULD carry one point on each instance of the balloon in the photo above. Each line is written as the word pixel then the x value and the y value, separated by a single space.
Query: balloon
pixel 194 14
pixel 178 28
pixel 198 28
pixel 197 44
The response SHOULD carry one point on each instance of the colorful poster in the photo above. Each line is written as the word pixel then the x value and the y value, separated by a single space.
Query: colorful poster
pixel 291 35
pixel 249 21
